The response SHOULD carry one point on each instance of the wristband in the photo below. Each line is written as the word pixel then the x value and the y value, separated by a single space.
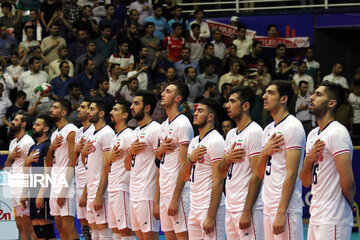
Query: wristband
pixel 188 157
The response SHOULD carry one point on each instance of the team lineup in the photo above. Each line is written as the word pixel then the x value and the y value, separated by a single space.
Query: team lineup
pixel 124 182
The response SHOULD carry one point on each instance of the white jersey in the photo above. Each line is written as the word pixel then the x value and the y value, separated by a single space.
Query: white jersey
pixel 328 204
pixel 94 161
pixel 143 167
pixel 24 143
pixel 119 178
pixel 80 171
pixel 239 173
pixel 61 154
pixel 201 181
pixel 181 131
pixel 294 138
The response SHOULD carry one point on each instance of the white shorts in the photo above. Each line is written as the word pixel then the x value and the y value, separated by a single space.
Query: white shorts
pixel 119 210
pixel 98 217
pixel 68 209
pixel 177 222
pixel 293 227
pixel 329 232
pixel 255 231
pixel 18 208
pixel 80 211
pixel 196 219
pixel 142 217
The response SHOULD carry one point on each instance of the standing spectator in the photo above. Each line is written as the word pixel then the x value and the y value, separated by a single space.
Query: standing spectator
pixel 273 63
pixel 8 19
pixel 99 61
pixel 285 71
pixel 51 44
pixel 219 46
pixel 14 70
pixel 133 19
pixel 184 63
pixel 204 27
pixel 7 82
pixel 60 84
pixel 76 99
pixel 226 126
pixel 87 79
pixel 196 43
pixel 159 114
pixel 124 59
pixel 120 11
pixel 302 76
pixel 86 23
pixel 140 73
pixel 43 102
pixel 103 95
pixel 242 43
pixel 5 103
pixel 251 59
pixel 47 10
pixel 105 45
pixel 114 81
pixel 230 56
pixel 7 42
pixel 27 46
pixel 54 69
pixel 345 113
pixel 143 8
pixel 185 26
pixel 161 26
pixel 20 104
pixel 208 75
pixel 354 99
pixel 261 78
pixel 335 76
pixel 169 9
pixel 302 106
pixel 26 5
pixel 272 32
pixel 209 55
pixel 313 67
pixel 132 37
pixel 35 24
pixel 31 79
pixel 111 20
pixel 233 77
pixel 234 21
pixel 194 86
pixel 149 41
pixel 161 64
pixel 174 43
pixel 78 47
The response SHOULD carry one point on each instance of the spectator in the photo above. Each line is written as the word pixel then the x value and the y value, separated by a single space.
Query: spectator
pixel 185 26
pixel 184 63
pixel 120 11
pixel 251 59
pixel 43 103
pixel 114 81
pixel 5 103
pixel 194 86
pixel 219 46
pixel 124 59
pixel 272 32
pixel 302 106
pixel 234 21
pixel 31 79
pixel 209 55
pixel 133 38
pixel 144 53
pixel 103 95
pixel 273 63
pixel 76 99
pixel 143 8
pixel 161 25
pixel 161 64
pixel 261 78
pixel 195 43
pixel 86 23
pixel 87 79
pixel 133 19
pixel 233 77
pixel 99 61
pixel 208 75
pixel 224 99
pixel 302 76
pixel 210 92
pixel 35 24
pixel 226 126
pixel 60 84
pixel 159 114
pixel 257 111
pixel 14 70
pixel 13 109
pixel 105 45
pixel 47 11
pixel 345 114
pixel 204 27
pixel 64 26
pixel 54 69
pixel 285 71
pixel 8 19
pixel 149 41
pixel 354 100
pixel 170 77
pixel 78 47
pixel 72 11
pixel 51 44
pixel 7 42
pixel 140 74
pixel 174 43
pixel 111 20
pixel 27 46
pixel 25 5
pixel 313 67
pixel 169 9
pixel 230 56
pixel 243 44
pixel 128 92
pixel 6 81
pixel 335 76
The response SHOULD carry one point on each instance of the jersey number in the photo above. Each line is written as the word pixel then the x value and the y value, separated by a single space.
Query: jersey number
pixel 133 160
pixel 315 169
pixel 192 179
pixel 268 166
pixel 230 171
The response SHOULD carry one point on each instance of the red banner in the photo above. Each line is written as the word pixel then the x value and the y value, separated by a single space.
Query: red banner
pixel 297 42
pixel 228 30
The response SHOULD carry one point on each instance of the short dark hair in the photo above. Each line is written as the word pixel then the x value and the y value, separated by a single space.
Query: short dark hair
pixel 137 60
pixel 255 43
pixel 207 45
pixel 88 42
pixel 20 94
pixel 285 89
pixel 109 5
pixel 212 105
pixel 209 85
pixel 122 41
pixel 54 24
pixel 6 5
pixel 148 24
pixel 175 25
pixel 62 63
pixel 182 89
pixel 245 94
pixel 223 87
pixel 100 104
pixel 194 25
pixel 28 27
pixel 86 61
pixel 65 105
pixel 156 6
pixel 280 45
pixel 241 26
pixel 14 53
pixel 102 80
pixel 303 82
pixel 198 10
pixel 335 91
pixel 149 98
pixel 26 118
pixel 186 71
pixel 73 85
pixel 113 65
pixel 32 60
pixel 268 27
pixel 47 120
pixel 105 26
pixel 125 107
pixel 299 63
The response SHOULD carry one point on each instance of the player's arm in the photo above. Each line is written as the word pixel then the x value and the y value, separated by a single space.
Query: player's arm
pixel 53 146
pixel 224 165
pixel 11 157
pixel 102 185
pixel 156 209
pixel 344 167
pixel 216 193
pixel 185 169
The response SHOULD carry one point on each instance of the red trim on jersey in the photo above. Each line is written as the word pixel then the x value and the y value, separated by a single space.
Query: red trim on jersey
pixel 289 227
pixel 182 206
pixel 150 215
pixel 293 147
pixel 106 149
pixel 226 152
pixel 68 201
pixel 252 218
pixel 183 142
pixel 255 153
pixel 215 159
pixel 346 150
pixel 335 232
pixel 125 210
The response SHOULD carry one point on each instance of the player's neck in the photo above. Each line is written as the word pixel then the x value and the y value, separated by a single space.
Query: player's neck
pixel 172 112
pixel 324 120
pixel 41 139
pixel 62 122
pixel 120 126
pixel 86 124
pixel 243 122
pixel 279 115
pixel 203 131
pixel 20 134
pixel 99 124
pixel 147 119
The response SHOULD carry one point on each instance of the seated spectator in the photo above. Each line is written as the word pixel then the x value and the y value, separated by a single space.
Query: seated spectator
pixel 185 26
pixel 102 94
pixel 5 103
pixel 76 99
pixel 43 102
pixel 195 43
pixel 160 65
pixel 86 23
pixel 88 78
pixel 149 41
pixel 54 69
pixel 51 44
pixel 161 26
pixel 27 46
pixel 208 75
pixel 184 63
pixel 335 76
pixel 302 76
pixel 9 18
pixel 35 24
pixel 143 8
pixel 204 27
pixel 99 61
pixel 124 59
pixel 243 44
pixel 14 70
pixel 233 77
pixel 114 80
pixel 7 42
pixel 20 104
pixel 354 100
pixel 302 106
pixel 78 47
pixel 251 59
pixel 132 37
pixel 31 79
pixel 47 10
pixel 261 78
pixel 111 20
pixel 140 74
pixel 128 91
pixel 60 84
pixel 230 56
pixel 313 67
pixel 219 46
pixel 6 81
pixel 105 45
pixel 210 92
pixel 194 86
pixel 209 55
pixel 174 43
pixel 273 63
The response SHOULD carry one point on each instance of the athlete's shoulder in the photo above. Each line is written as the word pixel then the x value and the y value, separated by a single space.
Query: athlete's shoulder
pixel 28 139
pixel 270 126
pixel 215 137
pixel 255 127
pixel 71 127
pixel 291 121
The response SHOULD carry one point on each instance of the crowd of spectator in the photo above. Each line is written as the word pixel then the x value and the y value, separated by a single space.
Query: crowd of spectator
pixel 104 50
